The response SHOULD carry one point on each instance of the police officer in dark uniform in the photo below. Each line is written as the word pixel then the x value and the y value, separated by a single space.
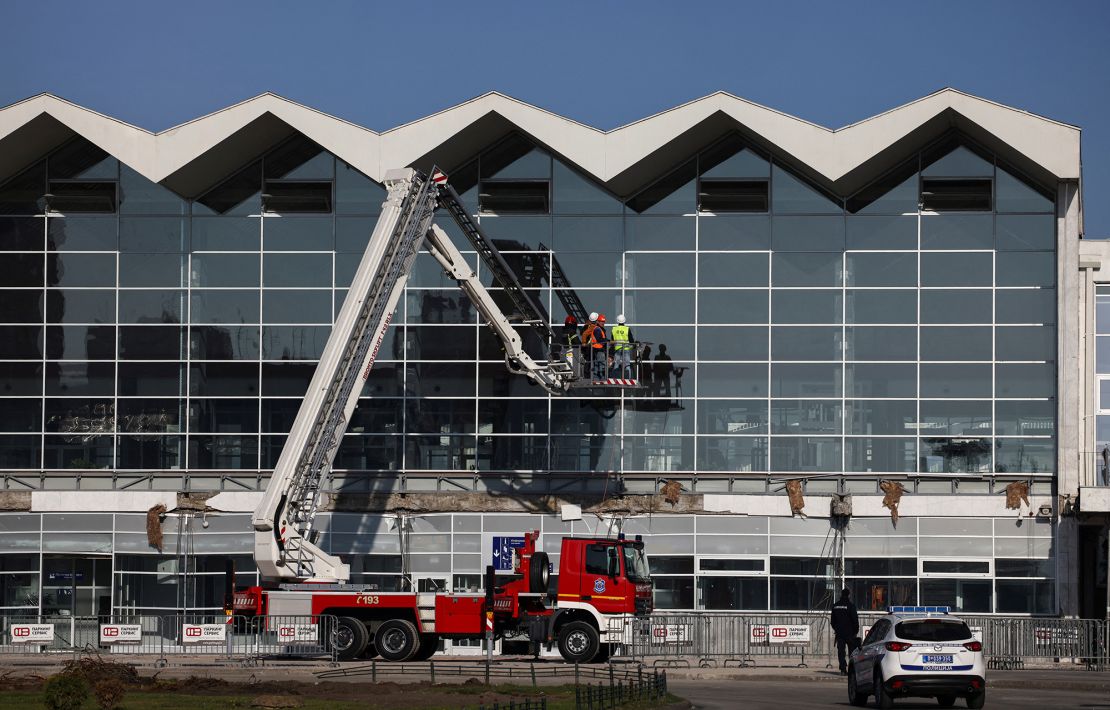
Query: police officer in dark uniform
pixel 845 625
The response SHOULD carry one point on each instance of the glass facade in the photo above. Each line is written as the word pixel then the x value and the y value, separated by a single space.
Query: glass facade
pixel 790 331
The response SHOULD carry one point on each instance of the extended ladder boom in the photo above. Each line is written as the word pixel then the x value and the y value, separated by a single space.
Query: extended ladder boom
pixel 285 539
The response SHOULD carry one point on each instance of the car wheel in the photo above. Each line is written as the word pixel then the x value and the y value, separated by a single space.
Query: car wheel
pixel 855 695
pixel 882 698
pixel 946 701
pixel 978 700
pixel 579 642
pixel 429 644
pixel 397 640
pixel 350 638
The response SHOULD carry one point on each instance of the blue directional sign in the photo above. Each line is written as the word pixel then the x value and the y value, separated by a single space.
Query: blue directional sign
pixel 503 552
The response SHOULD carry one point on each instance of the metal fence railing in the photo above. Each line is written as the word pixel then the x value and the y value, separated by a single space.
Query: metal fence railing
pixel 236 637
pixel 741 639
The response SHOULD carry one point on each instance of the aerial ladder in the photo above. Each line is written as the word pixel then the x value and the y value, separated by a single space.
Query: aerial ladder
pixel 286 547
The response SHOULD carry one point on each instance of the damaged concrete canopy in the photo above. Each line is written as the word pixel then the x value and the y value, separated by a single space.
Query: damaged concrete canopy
pixel 154 526
pixel 797 501
pixel 893 491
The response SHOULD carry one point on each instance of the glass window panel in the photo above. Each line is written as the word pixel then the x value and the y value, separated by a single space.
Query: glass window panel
pixel 730 231
pixel 440 416
pixel 949 269
pixel 732 269
pixel 78 306
pixel 587 234
pixel 672 194
pixel 18 452
pixel 955 456
pixel 1019 597
pixel 81 234
pixel 517 233
pixel 224 307
pixel 806 268
pixel 234 270
pixel 353 233
pixel 299 158
pixel 238 195
pixel 732 416
pixel 296 270
pixel 882 306
pixel 658 270
pixel 805 343
pixel 1025 418
pixel 1021 268
pixel 881 455
pixel 1014 195
pixel 679 340
pixel 151 452
pixel 595 269
pixel 20 342
pixel 150 306
pixel 23 193
pixel 953 380
pixel 20 415
pixel 62 452
pixel 805 453
pixel 450 306
pixel 881 269
pixel 673 592
pixel 1023 547
pixel 150 416
pixel 226 234
pixel 370 453
pixel 894 193
pixel 883 232
pixel 960 594
pixel 881 380
pixel 225 416
pixel 1025 306
pixel 21 306
pixel 789 195
pixel 141 196
pixel 807 233
pixel 517 416
pixel 79 416
pixel 731 343
pixel 801 416
pixel 1025 343
pixel 223 452
pixel 659 453
pixel 295 342
pixel 575 194
pixel 151 270
pixel 289 379
pixel 153 234
pixel 74 269
pixel 21 233
pixel 879 416
pixel 1025 380
pixel 648 233
pixel 881 343
pixel 355 193
pixel 731 306
pixel 209 342
pixel 21 270
pixel 955 418
pixel 151 379
pixel 805 380
pixel 957 231
pixel 740 454
pixel 648 306
pixel 224 379
pixel 79 158
pixel 278 415
pixel 298 234
pixel 81 342
pixel 956 343
pixel 151 343
pixel 1024 455
pixel 806 306
pixel 732 380
pixel 1025 232
pixel 943 306
pixel 959 162
pixel 1024 568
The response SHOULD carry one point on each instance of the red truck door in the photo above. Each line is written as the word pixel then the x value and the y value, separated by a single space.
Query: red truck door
pixel 603 583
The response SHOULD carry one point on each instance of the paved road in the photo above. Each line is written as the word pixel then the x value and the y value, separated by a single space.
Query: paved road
pixel 724 694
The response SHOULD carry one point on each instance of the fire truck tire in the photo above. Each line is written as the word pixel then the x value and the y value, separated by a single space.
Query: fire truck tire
pixel 603 652
pixel 579 642
pixel 397 640
pixel 429 644
pixel 538 573
pixel 351 638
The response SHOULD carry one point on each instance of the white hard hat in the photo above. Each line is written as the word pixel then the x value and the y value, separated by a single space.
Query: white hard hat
pixel 620 318
pixel 593 316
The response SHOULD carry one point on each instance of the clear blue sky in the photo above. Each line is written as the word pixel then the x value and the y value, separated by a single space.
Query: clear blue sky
pixel 605 63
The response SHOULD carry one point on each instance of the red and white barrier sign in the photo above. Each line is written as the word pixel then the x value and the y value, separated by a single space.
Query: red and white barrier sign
pixel 779 633
pixel 671 634
pixel 203 633
pixel 32 633
pixel 120 633
pixel 297 633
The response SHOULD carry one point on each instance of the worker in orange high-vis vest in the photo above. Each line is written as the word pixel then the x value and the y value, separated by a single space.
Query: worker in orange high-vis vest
pixel 600 343
pixel 587 338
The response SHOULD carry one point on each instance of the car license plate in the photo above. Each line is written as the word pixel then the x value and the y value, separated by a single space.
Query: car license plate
pixel 943 658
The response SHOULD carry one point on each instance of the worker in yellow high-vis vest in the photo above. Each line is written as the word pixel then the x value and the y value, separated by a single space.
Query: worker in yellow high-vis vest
pixel 622 349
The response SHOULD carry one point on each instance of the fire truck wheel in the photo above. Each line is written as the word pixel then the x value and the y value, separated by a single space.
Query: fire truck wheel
pixel 351 637
pixel 603 652
pixel 397 640
pixel 578 642
pixel 429 644
pixel 538 573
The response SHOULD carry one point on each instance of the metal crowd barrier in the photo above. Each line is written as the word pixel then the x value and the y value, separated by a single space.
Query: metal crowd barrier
pixel 742 639
pixel 234 637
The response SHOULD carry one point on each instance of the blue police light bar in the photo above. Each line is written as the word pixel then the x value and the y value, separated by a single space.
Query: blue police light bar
pixel 920 609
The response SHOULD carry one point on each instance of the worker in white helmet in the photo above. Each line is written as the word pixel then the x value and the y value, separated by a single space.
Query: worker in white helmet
pixel 588 339
pixel 622 349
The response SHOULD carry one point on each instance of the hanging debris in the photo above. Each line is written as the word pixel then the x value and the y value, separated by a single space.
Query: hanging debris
pixel 154 526
pixel 893 491
pixel 671 490
pixel 1016 492
pixel 840 509
pixel 794 493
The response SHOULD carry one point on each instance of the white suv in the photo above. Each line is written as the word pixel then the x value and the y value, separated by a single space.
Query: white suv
pixel 918 652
